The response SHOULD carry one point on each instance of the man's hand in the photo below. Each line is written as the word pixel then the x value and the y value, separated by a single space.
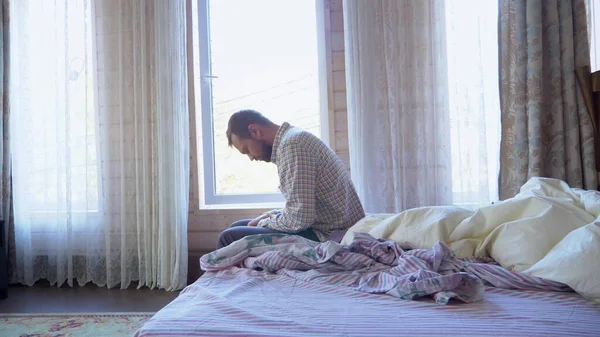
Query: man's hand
pixel 254 222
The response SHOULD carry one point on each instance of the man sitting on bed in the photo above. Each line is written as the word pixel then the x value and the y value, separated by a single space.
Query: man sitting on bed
pixel 320 196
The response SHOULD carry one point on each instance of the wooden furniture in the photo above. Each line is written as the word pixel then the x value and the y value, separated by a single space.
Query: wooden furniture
pixel 590 86
pixel 595 78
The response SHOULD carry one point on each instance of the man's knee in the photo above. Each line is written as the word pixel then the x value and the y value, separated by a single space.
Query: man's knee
pixel 229 236
pixel 241 223
pixel 224 239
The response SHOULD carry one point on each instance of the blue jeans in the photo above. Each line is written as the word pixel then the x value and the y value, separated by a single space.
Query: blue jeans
pixel 240 229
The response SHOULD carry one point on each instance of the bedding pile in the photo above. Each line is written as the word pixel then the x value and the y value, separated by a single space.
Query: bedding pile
pixel 373 266
pixel 549 231
pixel 546 238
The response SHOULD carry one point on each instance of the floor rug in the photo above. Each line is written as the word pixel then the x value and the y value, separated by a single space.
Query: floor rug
pixel 71 325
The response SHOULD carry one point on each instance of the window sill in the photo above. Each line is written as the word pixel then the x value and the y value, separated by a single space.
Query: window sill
pixel 242 207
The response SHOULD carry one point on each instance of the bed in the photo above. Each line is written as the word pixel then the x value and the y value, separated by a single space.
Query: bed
pixel 244 303
pixel 525 267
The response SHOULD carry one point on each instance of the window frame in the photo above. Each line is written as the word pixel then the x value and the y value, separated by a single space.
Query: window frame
pixel 207 174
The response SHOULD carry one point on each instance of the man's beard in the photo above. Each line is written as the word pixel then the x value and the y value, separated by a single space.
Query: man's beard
pixel 266 153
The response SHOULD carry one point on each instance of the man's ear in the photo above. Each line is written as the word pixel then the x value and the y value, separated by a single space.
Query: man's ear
pixel 255 131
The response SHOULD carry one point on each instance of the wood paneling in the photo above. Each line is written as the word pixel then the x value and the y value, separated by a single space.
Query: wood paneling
pixel 335 5
pixel 337 22
pixel 337 61
pixel 339 82
pixel 339 124
pixel 339 100
pixel 337 41
pixel 341 120
pixel 341 141
pixel 345 157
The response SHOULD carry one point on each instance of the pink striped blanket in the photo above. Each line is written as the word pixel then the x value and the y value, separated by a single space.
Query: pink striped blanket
pixel 374 266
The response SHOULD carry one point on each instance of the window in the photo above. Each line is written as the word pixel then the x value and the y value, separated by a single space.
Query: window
pixel 264 55
pixel 53 104
pixel 473 88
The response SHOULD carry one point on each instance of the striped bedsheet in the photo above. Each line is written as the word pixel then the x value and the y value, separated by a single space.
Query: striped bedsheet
pixel 374 266
pixel 244 302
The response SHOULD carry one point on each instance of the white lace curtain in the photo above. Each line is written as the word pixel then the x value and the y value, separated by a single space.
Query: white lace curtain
pixel 423 102
pixel 100 142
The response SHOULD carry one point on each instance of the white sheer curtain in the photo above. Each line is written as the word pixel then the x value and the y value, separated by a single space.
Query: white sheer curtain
pixel 100 142
pixel 423 102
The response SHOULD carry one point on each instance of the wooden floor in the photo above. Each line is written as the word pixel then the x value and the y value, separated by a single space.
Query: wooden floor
pixel 42 298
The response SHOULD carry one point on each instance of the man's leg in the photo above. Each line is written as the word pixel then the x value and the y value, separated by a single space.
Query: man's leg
pixel 308 234
pixel 241 223
pixel 240 229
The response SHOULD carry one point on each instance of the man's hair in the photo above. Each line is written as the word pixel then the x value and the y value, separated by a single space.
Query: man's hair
pixel 239 122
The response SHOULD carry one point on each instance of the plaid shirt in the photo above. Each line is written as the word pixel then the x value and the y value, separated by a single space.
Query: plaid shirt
pixel 316 185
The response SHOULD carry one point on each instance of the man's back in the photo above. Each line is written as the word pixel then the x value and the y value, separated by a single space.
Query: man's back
pixel 306 167
pixel 320 197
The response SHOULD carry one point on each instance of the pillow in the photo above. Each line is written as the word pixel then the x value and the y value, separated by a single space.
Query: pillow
pixel 416 228
pixel 574 262
pixel 364 226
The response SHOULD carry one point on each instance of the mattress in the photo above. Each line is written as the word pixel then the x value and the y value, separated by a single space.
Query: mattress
pixel 244 302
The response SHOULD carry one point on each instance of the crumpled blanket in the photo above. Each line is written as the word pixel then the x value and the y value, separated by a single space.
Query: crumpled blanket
pixel 373 266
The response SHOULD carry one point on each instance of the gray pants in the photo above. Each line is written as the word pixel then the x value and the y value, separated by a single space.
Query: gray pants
pixel 240 229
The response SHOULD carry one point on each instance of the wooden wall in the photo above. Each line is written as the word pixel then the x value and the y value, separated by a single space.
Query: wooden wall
pixel 337 82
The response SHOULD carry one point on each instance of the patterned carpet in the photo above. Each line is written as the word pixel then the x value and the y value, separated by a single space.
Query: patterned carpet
pixel 71 325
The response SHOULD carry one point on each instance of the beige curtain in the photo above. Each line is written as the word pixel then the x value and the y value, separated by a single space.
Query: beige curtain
pixel 5 184
pixel 546 129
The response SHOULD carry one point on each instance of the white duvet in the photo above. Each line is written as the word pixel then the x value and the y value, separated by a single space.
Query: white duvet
pixel 548 230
